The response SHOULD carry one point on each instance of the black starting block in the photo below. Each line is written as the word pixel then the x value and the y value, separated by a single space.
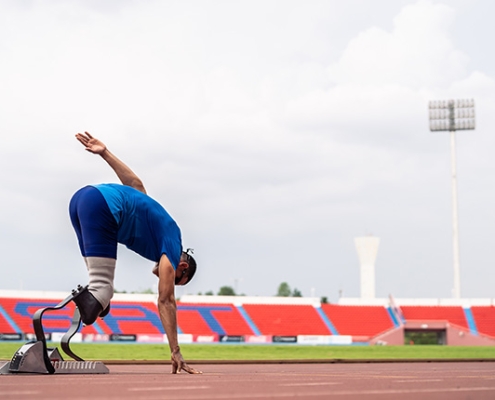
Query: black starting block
pixel 35 357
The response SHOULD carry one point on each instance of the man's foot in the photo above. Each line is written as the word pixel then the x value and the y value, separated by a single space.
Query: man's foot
pixel 89 307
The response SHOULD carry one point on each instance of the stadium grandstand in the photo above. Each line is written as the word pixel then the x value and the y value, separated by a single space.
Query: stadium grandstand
pixel 243 319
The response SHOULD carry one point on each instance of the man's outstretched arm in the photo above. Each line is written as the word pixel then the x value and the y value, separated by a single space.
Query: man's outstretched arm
pixel 125 174
pixel 167 309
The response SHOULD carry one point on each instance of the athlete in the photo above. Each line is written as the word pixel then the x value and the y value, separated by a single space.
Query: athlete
pixel 107 214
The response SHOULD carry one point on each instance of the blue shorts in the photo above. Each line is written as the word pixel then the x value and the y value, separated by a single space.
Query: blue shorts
pixel 95 226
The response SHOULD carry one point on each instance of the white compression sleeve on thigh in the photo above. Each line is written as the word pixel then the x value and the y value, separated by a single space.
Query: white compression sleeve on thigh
pixel 101 274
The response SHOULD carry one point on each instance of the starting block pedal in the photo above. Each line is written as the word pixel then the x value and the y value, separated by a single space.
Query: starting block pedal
pixel 36 358
pixel 30 359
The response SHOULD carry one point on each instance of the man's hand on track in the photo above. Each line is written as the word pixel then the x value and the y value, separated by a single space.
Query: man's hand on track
pixel 178 364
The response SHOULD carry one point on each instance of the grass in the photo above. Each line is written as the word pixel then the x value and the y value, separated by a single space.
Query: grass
pixel 110 351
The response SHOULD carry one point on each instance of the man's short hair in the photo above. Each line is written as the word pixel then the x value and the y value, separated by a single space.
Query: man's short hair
pixel 191 270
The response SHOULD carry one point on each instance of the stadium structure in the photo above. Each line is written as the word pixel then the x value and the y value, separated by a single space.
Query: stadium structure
pixel 261 320
pixel 210 319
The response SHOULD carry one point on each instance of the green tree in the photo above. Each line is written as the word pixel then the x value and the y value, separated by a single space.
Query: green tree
pixel 324 300
pixel 284 290
pixel 226 291
pixel 296 293
pixel 209 293
pixel 142 291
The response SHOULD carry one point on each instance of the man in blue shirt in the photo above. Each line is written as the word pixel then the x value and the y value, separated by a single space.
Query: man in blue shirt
pixel 107 214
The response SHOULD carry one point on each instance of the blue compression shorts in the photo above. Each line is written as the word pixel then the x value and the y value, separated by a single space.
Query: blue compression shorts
pixel 95 226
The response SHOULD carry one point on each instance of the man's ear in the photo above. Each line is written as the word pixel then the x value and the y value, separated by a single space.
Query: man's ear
pixel 183 264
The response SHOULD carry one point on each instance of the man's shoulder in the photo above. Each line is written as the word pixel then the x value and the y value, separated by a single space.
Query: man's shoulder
pixel 117 187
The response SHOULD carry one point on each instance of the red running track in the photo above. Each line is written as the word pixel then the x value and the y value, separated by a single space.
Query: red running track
pixel 405 381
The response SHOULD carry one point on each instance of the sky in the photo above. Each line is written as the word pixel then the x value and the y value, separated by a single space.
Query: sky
pixel 274 132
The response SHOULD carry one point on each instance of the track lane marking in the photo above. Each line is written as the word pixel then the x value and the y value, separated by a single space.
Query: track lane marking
pixel 19 392
pixel 218 396
pixel 417 380
pixel 151 389
pixel 311 384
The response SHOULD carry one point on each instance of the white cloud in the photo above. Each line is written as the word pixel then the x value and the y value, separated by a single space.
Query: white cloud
pixel 418 52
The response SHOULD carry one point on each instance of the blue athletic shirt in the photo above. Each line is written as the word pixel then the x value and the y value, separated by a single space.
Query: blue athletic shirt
pixel 144 226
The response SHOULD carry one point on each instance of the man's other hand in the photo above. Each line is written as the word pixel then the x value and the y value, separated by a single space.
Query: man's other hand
pixel 91 144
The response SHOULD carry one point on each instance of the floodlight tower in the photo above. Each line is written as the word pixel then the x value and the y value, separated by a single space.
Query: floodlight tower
pixel 452 116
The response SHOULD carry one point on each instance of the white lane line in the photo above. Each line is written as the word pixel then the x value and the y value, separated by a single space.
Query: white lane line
pixel 311 384
pixel 19 392
pixel 412 391
pixel 153 389
pixel 363 393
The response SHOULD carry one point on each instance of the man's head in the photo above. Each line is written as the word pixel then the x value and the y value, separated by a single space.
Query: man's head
pixel 186 268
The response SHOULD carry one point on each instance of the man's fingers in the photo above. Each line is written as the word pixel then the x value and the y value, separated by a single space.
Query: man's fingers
pixel 83 139
pixel 174 366
pixel 195 371
pixel 190 370
pixel 178 365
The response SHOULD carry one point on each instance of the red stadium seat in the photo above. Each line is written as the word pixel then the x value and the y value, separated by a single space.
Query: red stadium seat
pixel 484 317
pixel 453 314
pixel 286 320
pixel 358 320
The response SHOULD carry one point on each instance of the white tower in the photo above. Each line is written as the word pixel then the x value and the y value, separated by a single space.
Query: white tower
pixel 367 248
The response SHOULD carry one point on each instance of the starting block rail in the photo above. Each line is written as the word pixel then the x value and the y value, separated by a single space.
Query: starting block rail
pixel 35 357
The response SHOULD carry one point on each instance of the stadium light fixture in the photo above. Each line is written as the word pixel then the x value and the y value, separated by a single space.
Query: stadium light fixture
pixel 452 116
